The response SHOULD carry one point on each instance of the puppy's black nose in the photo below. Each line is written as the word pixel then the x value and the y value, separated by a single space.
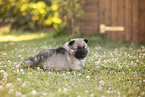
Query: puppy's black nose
pixel 83 52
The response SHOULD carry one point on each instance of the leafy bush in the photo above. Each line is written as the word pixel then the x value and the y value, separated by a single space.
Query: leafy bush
pixel 37 14
pixel 28 15
pixel 70 11
pixel 61 30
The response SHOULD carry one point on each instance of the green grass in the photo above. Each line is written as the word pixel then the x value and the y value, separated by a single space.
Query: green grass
pixel 112 69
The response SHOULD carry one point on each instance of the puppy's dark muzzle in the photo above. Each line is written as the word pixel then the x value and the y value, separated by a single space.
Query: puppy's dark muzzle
pixel 81 53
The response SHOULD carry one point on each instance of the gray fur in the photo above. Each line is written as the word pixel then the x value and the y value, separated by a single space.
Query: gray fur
pixel 65 57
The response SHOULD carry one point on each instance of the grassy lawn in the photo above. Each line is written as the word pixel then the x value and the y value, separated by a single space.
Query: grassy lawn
pixel 113 69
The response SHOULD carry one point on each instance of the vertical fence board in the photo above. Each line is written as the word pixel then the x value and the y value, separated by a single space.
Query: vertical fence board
pixel 89 24
pixel 98 22
pixel 142 20
pixel 128 20
pixel 121 18
pixel 108 15
pixel 114 18
pixel 102 11
pixel 135 17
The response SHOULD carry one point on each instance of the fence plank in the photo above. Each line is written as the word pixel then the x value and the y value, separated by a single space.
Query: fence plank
pixel 135 17
pixel 90 23
pixel 121 18
pixel 114 18
pixel 97 16
pixel 108 15
pixel 142 20
pixel 102 11
pixel 128 17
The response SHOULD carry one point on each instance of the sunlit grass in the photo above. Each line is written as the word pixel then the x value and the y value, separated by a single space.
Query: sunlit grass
pixel 5 38
pixel 6 35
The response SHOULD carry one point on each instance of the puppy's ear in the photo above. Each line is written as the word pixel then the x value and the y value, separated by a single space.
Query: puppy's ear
pixel 71 43
pixel 86 40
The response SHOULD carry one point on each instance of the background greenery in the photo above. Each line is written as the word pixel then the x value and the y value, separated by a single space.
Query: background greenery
pixel 39 14
pixel 29 14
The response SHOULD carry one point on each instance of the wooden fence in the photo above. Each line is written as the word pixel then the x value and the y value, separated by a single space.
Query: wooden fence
pixel 127 13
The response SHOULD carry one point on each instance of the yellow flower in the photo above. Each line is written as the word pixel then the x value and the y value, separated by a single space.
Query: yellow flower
pixel 56 14
pixel 56 20
pixel 42 11
pixel 48 22
pixel 41 4
pixel 24 7
pixel 54 7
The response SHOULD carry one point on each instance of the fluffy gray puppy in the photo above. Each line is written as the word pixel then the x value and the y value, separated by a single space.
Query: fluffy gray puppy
pixel 69 56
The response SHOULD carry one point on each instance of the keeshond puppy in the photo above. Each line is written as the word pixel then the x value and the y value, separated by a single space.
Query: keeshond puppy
pixel 69 56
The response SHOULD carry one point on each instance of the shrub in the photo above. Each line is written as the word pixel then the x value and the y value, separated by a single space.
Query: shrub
pixel 70 10
pixel 61 30
pixel 28 15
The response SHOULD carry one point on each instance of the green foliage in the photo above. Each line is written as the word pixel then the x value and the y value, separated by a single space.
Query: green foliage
pixel 61 30
pixel 70 8
pixel 70 11
pixel 28 15
pixel 37 14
